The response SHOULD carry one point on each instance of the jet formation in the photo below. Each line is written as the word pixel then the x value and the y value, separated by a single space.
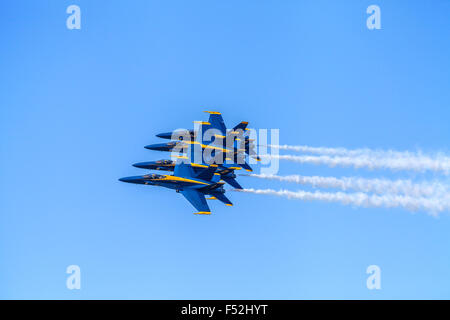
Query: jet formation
pixel 205 159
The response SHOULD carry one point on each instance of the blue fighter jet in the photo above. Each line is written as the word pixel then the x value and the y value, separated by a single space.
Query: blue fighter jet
pixel 193 186
pixel 226 171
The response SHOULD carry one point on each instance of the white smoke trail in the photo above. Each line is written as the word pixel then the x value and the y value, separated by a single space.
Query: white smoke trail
pixel 433 205
pixel 419 163
pixel 378 186
pixel 375 153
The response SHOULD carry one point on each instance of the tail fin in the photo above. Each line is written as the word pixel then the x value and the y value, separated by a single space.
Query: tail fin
pixel 232 182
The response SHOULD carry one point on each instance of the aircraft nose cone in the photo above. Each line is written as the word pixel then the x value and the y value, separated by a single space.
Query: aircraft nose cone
pixel 128 179
pixel 142 165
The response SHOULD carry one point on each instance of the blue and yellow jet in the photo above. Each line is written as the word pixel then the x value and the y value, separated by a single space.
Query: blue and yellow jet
pixel 241 144
pixel 194 186
pixel 226 171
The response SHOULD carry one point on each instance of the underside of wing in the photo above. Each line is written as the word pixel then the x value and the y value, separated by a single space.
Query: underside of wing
pixel 197 199
pixel 232 182
pixel 221 197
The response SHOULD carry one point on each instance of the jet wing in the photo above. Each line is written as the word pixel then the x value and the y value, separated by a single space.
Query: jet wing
pixel 241 126
pixel 231 181
pixel 216 120
pixel 221 197
pixel 197 199
pixel 183 169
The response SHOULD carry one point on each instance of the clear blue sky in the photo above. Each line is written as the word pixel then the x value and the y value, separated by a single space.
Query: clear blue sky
pixel 78 106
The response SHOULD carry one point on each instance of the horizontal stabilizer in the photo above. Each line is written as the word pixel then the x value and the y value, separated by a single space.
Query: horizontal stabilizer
pixel 207 174
pixel 246 166
pixel 232 182
pixel 216 120
pixel 221 197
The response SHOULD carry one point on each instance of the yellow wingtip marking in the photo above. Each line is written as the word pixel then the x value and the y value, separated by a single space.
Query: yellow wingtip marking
pixel 212 198
pixel 175 178
pixel 203 212
pixel 203 122
pixel 212 112
pixel 228 204
pixel 248 170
